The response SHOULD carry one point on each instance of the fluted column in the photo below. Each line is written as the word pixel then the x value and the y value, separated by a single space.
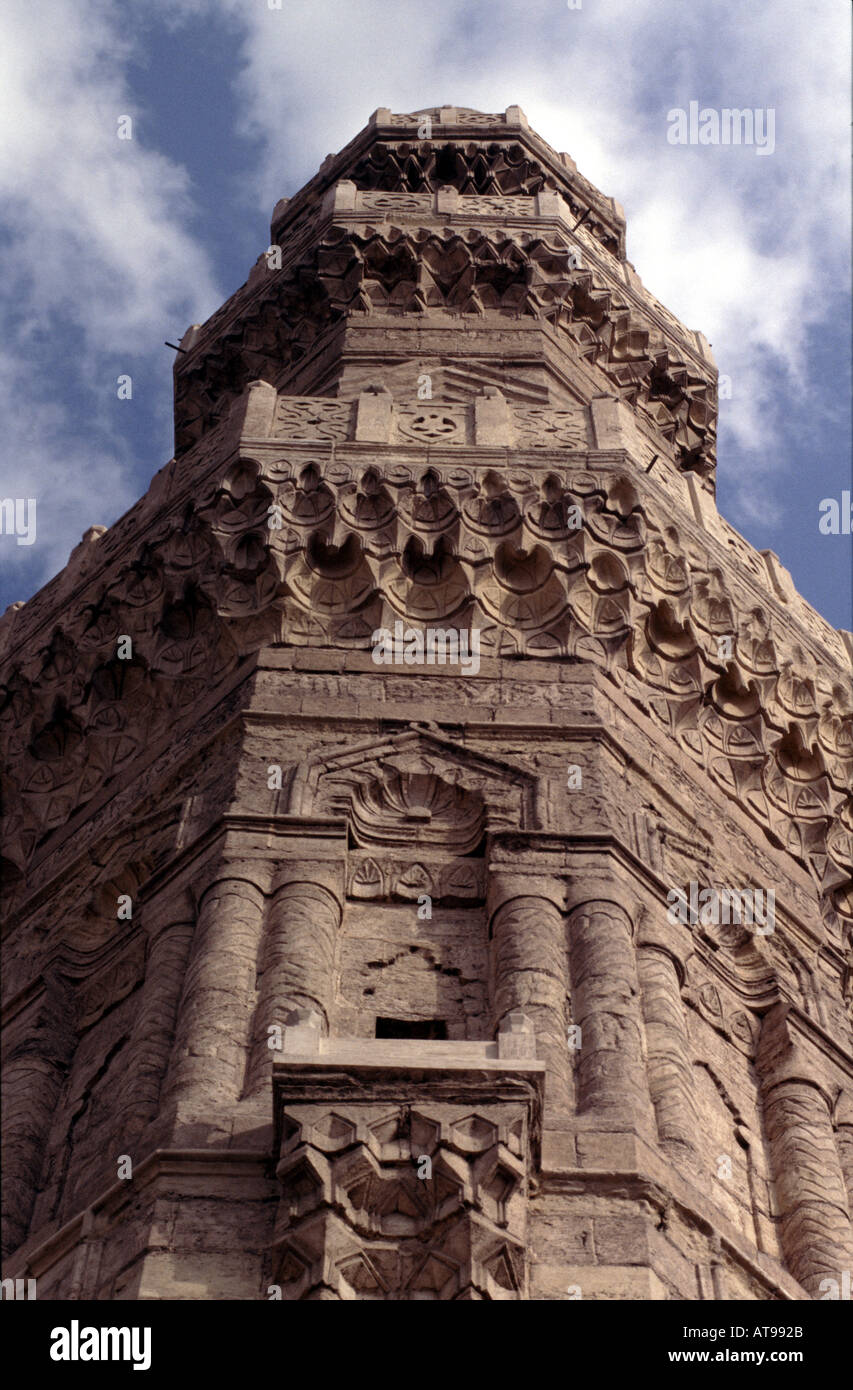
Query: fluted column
pixel 611 1070
pixel 298 955
pixel 209 1058
pixel 844 1141
pixel 667 1051
pixel 154 1027
pixel 33 1075
pixel 811 1195
pixel 529 968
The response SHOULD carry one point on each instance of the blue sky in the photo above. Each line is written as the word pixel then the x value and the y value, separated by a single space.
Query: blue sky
pixel 110 246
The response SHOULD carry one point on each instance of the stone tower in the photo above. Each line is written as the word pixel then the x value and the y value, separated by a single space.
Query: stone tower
pixel 427 854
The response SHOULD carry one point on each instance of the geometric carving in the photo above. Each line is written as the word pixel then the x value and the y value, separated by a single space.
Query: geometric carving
pixel 445 424
pixel 414 789
pixel 312 419
pixel 450 880
pixel 357 1221
pixel 757 728
pixel 110 985
pixel 332 1132
pixel 538 427
pixel 473 1134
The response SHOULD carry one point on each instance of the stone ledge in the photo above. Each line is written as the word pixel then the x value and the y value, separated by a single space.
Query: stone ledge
pixel 411 1054
pixel 663 1191
pixel 617 1283
pixel 44 1249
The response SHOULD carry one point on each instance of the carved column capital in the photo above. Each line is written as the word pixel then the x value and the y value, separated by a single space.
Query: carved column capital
pixel 322 875
pixel 504 885
pixel 654 934
pixel 784 1056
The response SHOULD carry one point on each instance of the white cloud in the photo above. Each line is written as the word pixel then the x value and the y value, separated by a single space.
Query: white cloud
pixel 98 258
pixel 750 249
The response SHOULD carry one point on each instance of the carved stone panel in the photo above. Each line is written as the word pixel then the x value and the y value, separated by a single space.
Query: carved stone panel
pixel 414 1196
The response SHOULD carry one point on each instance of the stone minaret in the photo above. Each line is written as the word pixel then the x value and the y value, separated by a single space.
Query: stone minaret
pixel 427 855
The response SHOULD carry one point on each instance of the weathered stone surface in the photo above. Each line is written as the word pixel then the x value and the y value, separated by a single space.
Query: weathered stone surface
pixel 400 1008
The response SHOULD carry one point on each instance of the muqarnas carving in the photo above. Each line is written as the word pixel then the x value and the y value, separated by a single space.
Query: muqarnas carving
pixel 407 1201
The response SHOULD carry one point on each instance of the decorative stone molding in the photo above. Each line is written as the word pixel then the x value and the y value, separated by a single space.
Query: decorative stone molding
pixel 492 552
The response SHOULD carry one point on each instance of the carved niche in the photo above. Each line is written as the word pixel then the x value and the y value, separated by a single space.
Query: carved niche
pixel 408 1181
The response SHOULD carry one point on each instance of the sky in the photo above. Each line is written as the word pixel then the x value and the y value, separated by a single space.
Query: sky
pixel 110 246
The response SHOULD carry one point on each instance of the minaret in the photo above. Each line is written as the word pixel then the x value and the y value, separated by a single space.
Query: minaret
pixel 428 830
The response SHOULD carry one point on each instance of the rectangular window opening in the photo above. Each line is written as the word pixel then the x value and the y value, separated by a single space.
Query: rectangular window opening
pixel 431 1029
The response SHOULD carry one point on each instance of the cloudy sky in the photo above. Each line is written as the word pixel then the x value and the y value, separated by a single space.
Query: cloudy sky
pixel 110 246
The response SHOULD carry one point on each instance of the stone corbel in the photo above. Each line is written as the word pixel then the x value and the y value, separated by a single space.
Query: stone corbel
pixel 404 1181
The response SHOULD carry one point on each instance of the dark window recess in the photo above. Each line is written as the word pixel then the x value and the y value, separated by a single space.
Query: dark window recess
pixel 433 1029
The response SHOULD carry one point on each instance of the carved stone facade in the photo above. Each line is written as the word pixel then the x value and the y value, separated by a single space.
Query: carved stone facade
pixel 333 979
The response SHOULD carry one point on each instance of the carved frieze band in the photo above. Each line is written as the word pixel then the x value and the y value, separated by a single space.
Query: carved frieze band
pixel 565 563
pixel 313 418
